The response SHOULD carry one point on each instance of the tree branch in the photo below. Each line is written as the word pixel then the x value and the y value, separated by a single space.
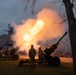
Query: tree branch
pixel 27 1
pixel 33 6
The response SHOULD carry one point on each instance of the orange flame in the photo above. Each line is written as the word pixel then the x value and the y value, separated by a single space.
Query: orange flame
pixel 33 32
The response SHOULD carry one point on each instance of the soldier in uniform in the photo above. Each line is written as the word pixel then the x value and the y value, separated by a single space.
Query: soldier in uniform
pixel 40 55
pixel 32 54
pixel 8 52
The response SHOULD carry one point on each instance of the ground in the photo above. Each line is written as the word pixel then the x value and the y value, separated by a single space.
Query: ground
pixel 10 67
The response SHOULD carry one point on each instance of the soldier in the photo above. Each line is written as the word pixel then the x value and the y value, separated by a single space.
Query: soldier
pixel 8 52
pixel 32 53
pixel 40 55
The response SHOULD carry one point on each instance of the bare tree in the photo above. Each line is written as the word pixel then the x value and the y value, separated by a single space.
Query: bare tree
pixel 72 29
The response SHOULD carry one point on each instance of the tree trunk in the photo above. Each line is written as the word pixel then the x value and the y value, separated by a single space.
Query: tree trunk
pixel 72 29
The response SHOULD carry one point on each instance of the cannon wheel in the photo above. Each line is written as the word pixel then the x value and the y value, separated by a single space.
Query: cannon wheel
pixel 56 61
pixel 50 59
pixel 15 57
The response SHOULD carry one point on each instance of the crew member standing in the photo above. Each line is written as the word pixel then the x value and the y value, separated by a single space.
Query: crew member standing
pixel 32 54
pixel 8 52
pixel 40 55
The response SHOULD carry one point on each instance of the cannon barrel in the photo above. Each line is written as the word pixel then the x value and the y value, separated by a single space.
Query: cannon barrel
pixel 51 49
pixel 61 38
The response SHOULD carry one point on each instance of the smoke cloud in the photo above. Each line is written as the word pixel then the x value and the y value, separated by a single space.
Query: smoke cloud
pixel 50 32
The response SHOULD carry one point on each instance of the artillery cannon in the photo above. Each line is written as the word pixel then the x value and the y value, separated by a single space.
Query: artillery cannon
pixel 55 61
pixel 9 44
pixel 50 59
pixel 3 53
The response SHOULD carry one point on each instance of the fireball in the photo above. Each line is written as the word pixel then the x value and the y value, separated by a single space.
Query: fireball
pixel 28 37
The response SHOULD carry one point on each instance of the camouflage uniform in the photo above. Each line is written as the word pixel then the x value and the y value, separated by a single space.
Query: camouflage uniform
pixel 32 53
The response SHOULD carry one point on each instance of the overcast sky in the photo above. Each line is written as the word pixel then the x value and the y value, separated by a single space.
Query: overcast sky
pixel 12 11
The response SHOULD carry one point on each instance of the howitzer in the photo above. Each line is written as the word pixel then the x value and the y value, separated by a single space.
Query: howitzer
pixel 12 51
pixel 53 60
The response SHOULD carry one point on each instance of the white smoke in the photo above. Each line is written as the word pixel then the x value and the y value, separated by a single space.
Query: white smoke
pixel 49 33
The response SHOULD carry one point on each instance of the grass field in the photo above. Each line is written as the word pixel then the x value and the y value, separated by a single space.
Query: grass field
pixel 10 67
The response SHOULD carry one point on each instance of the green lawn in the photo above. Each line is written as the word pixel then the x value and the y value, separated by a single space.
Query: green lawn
pixel 10 67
